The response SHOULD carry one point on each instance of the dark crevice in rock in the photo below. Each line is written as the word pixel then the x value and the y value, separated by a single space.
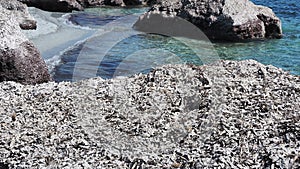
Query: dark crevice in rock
pixel 4 166
pixel 54 5
pixel 271 26
pixel 132 2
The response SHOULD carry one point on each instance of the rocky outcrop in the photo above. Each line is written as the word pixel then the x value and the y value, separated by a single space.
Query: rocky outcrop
pixel 233 114
pixel 20 61
pixel 20 11
pixel 69 5
pixel 54 5
pixel 230 20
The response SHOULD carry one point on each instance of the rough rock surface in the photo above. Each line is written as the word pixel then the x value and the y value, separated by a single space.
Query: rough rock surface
pixel 20 61
pixel 91 3
pixel 226 115
pixel 54 5
pixel 69 5
pixel 230 20
pixel 20 11
pixel 114 2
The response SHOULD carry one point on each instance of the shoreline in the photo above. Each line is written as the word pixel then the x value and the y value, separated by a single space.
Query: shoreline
pixel 53 35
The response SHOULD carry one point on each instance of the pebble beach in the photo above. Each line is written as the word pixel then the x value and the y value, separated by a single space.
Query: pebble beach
pixel 231 114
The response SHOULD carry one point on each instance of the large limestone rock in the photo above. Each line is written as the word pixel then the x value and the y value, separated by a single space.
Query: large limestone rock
pixel 20 61
pixel 230 20
pixel 20 11
pixel 54 5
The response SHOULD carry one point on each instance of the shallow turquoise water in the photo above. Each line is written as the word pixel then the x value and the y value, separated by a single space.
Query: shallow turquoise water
pixel 140 52
pixel 283 53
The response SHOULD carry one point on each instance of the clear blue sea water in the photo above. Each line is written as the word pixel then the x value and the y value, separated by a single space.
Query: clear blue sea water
pixel 117 50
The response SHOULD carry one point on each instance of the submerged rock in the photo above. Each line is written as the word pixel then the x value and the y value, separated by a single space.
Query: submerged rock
pixel 20 61
pixel 20 11
pixel 54 5
pixel 230 20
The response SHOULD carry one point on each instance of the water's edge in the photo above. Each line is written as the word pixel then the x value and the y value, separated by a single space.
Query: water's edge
pixel 97 42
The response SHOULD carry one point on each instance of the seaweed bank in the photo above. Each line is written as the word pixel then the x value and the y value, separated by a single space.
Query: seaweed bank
pixel 228 114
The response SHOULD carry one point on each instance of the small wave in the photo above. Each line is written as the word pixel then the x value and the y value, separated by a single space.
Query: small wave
pixel 56 60
pixel 66 21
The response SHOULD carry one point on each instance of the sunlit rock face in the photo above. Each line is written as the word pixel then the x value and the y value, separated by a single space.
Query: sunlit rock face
pixel 20 11
pixel 229 20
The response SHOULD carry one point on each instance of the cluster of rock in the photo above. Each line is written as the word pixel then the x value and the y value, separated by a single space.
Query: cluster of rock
pixel 20 61
pixel 69 5
pixel 219 19
pixel 231 20
pixel 227 115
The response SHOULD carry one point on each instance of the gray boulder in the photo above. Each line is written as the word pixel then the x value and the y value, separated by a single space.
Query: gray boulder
pixel 20 11
pixel 230 20
pixel 54 5
pixel 20 61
